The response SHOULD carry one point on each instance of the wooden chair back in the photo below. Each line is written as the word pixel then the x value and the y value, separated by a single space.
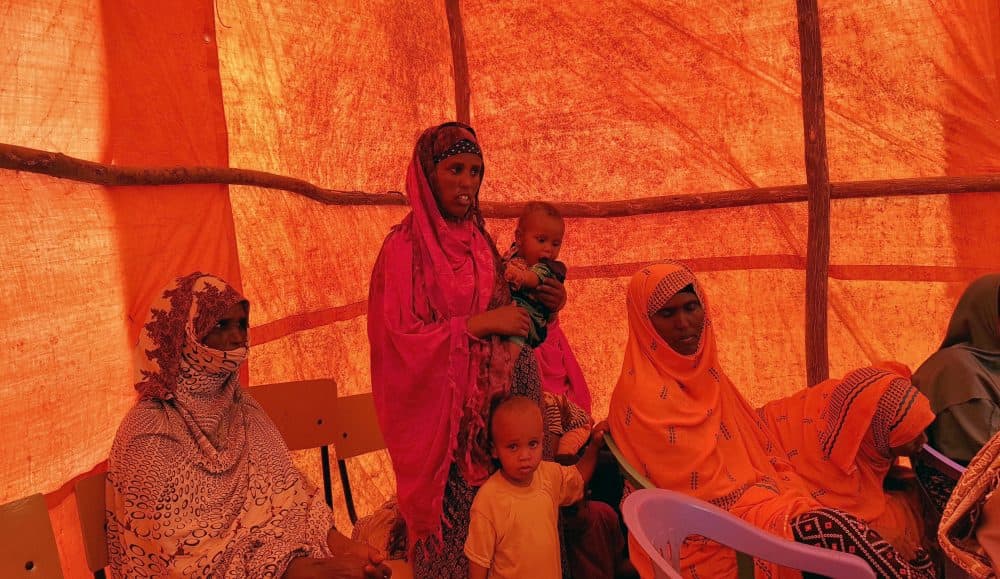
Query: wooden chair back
pixel 357 430
pixel 27 543
pixel 309 414
pixel 90 505
pixel 303 411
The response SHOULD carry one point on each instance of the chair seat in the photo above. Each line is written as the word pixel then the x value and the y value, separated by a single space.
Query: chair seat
pixel 660 520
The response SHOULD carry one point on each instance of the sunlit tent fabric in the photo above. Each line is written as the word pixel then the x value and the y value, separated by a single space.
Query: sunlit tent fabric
pixel 575 101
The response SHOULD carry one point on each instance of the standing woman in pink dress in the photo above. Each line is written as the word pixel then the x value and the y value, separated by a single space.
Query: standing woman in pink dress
pixel 438 309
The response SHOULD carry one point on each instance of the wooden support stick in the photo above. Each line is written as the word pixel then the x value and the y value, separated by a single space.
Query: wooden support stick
pixel 461 63
pixel 756 196
pixel 818 179
pixel 66 167
pixel 62 166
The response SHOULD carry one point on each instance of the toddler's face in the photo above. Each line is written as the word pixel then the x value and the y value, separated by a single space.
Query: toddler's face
pixel 517 442
pixel 540 236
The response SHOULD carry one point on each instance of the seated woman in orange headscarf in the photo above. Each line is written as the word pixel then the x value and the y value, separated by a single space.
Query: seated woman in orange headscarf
pixel 677 417
pixel 843 435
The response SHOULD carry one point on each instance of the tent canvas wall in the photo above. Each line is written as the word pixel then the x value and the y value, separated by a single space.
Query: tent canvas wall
pixel 586 102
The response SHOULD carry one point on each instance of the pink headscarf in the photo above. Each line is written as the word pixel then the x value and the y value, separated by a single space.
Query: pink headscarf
pixel 561 373
pixel 431 379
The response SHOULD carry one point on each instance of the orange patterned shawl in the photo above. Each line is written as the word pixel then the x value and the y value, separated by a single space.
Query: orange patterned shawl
pixel 960 531
pixel 200 483
pixel 837 436
pixel 685 426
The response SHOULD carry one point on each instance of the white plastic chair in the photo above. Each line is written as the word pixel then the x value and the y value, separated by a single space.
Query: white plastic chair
pixel 932 458
pixel 659 520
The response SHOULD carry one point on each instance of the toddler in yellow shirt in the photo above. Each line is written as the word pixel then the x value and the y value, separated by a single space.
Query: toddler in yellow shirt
pixel 513 531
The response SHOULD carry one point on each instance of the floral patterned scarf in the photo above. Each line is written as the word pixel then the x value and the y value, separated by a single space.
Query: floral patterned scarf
pixel 200 482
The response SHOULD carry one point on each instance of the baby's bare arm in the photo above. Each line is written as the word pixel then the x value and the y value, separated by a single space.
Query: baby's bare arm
pixel 530 279
pixel 521 277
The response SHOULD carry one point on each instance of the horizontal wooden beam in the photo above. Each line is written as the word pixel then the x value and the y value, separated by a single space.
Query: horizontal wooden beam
pixel 65 167
pixel 759 196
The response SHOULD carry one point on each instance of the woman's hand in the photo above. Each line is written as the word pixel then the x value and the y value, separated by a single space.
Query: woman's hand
pixel 508 320
pixel 369 562
pixel 552 294
pixel 597 433
pixel 341 566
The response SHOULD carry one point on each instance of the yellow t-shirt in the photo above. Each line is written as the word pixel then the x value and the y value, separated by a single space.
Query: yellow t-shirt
pixel 513 531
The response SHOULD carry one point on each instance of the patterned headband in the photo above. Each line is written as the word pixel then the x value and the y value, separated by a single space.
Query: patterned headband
pixel 668 287
pixel 462 146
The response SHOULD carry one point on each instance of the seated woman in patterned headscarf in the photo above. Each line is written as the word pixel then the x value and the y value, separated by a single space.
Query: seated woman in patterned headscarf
pixel 683 424
pixel 200 482
pixel 842 436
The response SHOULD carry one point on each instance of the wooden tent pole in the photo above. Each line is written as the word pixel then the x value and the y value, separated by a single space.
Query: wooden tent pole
pixel 66 167
pixel 461 63
pixel 62 166
pixel 818 180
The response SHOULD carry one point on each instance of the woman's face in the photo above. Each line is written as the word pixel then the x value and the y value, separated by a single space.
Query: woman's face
pixel 230 332
pixel 458 178
pixel 910 448
pixel 680 322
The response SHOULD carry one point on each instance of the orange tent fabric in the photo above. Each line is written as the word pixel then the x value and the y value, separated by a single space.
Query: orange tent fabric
pixel 582 101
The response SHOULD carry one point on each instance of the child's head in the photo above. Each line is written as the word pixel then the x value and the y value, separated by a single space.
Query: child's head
pixel 539 232
pixel 516 438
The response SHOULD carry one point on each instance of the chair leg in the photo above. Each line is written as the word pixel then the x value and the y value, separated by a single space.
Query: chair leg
pixel 324 454
pixel 348 496
pixel 744 566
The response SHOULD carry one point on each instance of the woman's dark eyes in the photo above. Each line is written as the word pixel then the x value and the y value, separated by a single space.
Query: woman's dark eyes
pixel 457 169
